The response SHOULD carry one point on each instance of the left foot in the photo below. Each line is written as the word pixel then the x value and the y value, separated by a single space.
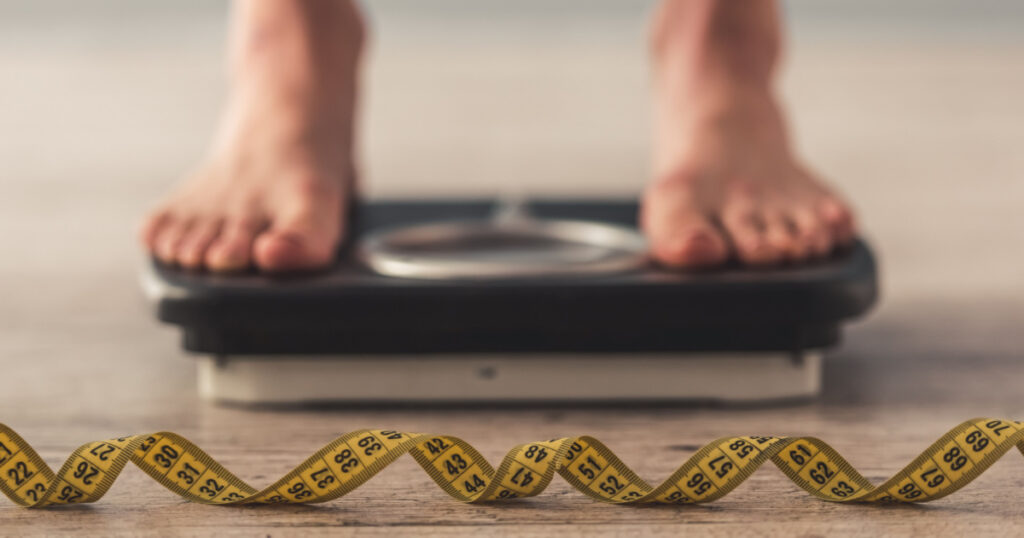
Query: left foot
pixel 274 192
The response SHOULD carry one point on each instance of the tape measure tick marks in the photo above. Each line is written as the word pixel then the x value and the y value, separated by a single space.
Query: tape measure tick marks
pixel 584 462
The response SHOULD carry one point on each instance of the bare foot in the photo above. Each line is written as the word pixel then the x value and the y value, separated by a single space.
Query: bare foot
pixel 276 204
pixel 274 192
pixel 736 191
pixel 727 185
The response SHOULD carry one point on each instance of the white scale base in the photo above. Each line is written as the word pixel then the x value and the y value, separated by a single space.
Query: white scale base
pixel 722 377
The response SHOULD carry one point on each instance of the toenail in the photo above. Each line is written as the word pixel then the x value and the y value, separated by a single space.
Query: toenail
pixel 834 212
pixel 698 247
pixel 226 260
pixel 694 241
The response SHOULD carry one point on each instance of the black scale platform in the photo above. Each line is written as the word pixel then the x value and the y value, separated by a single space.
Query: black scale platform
pixel 349 309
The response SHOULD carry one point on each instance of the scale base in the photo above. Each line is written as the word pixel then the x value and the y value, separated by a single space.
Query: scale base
pixel 727 377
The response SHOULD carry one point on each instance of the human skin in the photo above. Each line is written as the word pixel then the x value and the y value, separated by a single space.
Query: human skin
pixel 274 190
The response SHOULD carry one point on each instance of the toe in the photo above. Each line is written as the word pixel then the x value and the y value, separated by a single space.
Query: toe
pixel 780 235
pixel 680 234
pixel 303 236
pixel 168 241
pixel 839 219
pixel 811 232
pixel 746 230
pixel 292 250
pixel 151 227
pixel 231 250
pixel 192 250
pixel 695 244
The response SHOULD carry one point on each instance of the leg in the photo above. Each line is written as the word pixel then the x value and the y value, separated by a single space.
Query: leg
pixel 274 190
pixel 726 183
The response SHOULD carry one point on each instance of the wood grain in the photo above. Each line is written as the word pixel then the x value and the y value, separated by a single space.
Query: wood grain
pixel 927 154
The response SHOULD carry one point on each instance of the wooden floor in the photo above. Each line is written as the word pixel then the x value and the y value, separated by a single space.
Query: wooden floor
pixel 923 133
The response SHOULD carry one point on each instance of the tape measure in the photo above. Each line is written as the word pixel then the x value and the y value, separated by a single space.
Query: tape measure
pixel 340 467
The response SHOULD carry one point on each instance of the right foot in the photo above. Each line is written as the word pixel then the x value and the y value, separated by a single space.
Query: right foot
pixel 731 188
pixel 274 193
pixel 727 183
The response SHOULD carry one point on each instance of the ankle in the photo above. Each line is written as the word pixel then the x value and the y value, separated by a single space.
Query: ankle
pixel 734 43
pixel 728 104
pixel 256 129
pixel 729 111
pixel 297 37
pixel 298 59
pixel 719 127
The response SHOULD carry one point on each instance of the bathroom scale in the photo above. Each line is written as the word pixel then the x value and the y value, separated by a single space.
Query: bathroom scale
pixel 540 300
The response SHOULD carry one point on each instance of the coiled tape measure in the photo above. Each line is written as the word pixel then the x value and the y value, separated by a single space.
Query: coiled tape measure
pixel 340 467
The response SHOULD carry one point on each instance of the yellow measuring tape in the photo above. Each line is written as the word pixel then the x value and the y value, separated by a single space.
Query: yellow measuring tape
pixel 590 467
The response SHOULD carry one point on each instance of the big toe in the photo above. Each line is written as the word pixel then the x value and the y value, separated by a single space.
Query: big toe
pixel 232 249
pixel 292 250
pixel 680 235
pixel 693 246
